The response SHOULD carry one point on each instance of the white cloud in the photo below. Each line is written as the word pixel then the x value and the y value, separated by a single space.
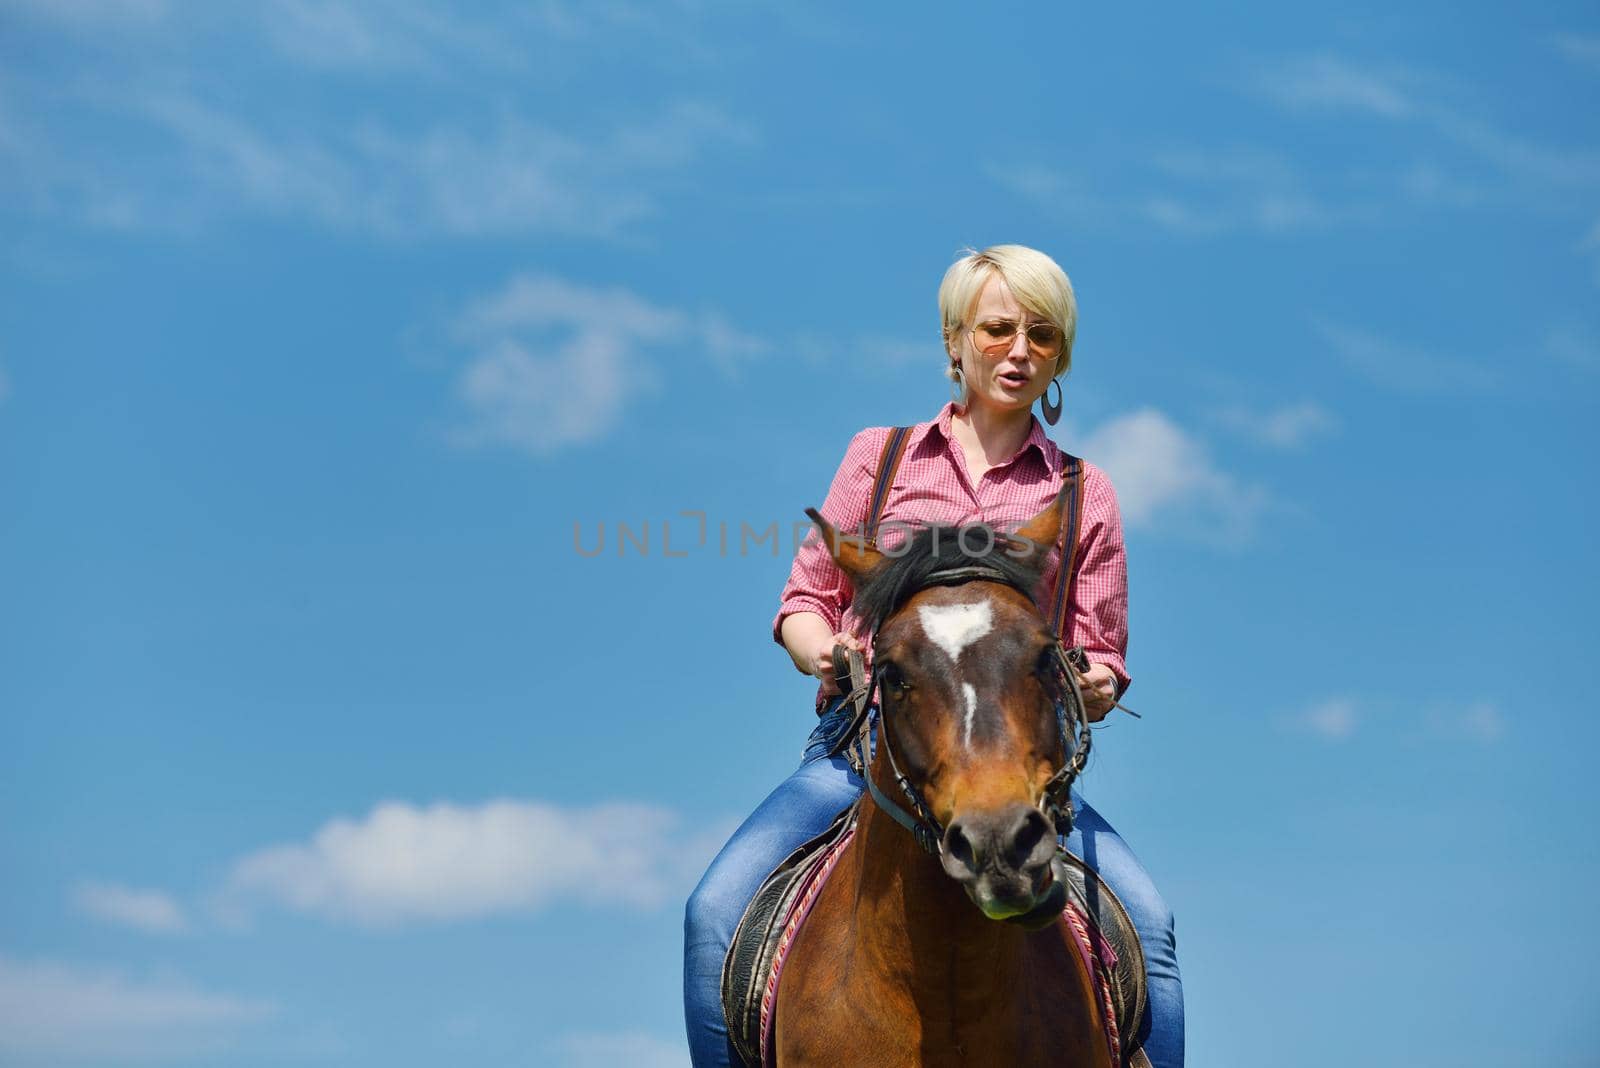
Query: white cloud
pixel 555 364
pixel 407 863
pixel 1334 719
pixel 405 35
pixel 1165 477
pixel 1589 243
pixel 1240 187
pixel 730 348
pixel 632 1049
pixel 1405 368
pixel 114 14
pixel 144 910
pixel 1575 346
pixel 508 177
pixel 1288 426
pixel 542 403
pixel 1480 721
pixel 535 301
pixel 1330 83
pixel 485 174
pixel 1435 185
pixel 872 353
pixel 1218 189
pixel 1207 192
pixel 1581 48
pixel 51 1008
pixel 343 35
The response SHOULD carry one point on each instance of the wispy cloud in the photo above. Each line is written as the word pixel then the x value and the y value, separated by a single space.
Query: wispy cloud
pixel 468 179
pixel 56 1009
pixel 556 364
pixel 491 172
pixel 346 35
pixel 145 910
pixel 1337 719
pixel 1432 184
pixel 1334 719
pixel 1403 367
pixel 1463 159
pixel 1581 48
pixel 1165 476
pixel 1330 83
pixel 1192 192
pixel 634 1049
pixel 113 14
pixel 1479 721
pixel 407 863
pixel 882 353
pixel 1335 85
pixel 409 37
pixel 1288 426
pixel 1590 243
pixel 1575 346
pixel 1240 187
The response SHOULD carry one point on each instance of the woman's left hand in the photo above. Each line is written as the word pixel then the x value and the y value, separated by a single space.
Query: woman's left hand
pixel 1099 688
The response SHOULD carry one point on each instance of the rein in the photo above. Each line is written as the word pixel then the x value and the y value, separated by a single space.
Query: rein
pixel 1071 716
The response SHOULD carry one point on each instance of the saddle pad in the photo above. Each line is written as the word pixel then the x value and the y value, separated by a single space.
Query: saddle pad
pixel 1113 940
pixel 816 875
pixel 747 972
pixel 1098 961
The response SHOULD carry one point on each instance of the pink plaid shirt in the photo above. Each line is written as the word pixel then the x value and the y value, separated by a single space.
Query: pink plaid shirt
pixel 934 486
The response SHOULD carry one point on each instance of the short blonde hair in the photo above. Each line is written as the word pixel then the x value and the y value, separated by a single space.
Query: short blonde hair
pixel 1038 283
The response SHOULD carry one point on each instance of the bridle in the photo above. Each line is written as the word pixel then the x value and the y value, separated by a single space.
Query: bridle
pixel 1071 716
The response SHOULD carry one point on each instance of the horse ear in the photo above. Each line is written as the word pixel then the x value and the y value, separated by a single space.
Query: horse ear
pixel 1038 535
pixel 852 553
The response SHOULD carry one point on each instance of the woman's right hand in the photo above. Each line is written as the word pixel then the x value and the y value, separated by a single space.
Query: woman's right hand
pixel 821 659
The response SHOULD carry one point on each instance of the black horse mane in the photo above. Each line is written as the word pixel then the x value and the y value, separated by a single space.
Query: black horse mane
pixel 937 547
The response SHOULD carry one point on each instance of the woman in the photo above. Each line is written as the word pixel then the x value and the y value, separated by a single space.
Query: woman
pixel 1009 320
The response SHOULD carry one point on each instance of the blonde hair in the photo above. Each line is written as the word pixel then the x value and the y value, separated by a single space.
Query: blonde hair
pixel 1038 283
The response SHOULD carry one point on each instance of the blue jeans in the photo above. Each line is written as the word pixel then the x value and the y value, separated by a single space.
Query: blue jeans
pixel 802 807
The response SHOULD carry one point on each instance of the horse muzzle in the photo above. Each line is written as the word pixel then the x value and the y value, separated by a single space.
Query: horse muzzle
pixel 1002 859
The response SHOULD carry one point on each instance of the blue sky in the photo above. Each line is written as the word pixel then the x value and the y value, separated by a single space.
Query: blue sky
pixel 324 327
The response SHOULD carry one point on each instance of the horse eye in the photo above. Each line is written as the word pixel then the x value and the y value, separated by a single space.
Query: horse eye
pixel 895 679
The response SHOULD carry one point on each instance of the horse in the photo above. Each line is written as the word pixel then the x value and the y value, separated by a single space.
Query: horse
pixel 939 939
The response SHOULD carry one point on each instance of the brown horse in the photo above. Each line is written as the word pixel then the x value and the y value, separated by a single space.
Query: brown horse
pixel 907 957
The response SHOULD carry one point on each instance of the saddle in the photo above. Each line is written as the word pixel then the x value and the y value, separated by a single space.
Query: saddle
pixel 755 957
pixel 750 973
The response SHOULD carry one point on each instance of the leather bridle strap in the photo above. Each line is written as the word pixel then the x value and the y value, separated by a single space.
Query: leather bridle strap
pixel 1056 797
pixel 857 742
pixel 927 830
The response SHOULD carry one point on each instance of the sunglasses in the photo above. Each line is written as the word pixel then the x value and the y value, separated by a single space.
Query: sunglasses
pixel 993 336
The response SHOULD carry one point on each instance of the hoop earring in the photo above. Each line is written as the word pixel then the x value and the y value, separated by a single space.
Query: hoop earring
pixel 958 386
pixel 1052 412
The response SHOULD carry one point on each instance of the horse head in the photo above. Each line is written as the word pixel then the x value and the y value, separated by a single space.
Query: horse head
pixel 973 691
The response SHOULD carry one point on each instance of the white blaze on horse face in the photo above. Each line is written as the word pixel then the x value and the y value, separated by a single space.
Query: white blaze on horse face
pixel 953 627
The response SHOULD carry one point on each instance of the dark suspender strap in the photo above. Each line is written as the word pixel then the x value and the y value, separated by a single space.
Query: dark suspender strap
pixel 888 463
pixel 1071 521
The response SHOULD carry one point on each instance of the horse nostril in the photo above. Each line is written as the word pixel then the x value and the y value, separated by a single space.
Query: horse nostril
pixel 958 847
pixel 1025 839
